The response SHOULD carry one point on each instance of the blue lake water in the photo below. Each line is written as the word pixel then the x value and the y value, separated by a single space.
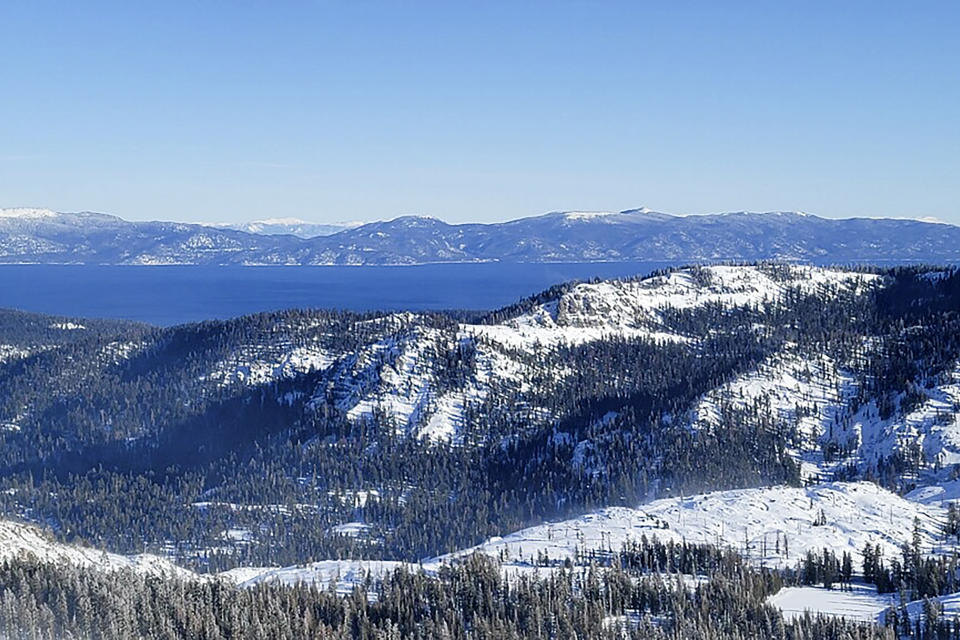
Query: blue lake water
pixel 167 295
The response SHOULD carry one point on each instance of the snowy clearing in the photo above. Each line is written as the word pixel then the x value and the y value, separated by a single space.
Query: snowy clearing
pixel 861 603
pixel 773 526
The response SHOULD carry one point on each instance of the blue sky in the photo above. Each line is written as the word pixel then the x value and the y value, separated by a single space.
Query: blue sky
pixel 205 111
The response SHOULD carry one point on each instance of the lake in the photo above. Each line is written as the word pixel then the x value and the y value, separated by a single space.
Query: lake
pixel 168 295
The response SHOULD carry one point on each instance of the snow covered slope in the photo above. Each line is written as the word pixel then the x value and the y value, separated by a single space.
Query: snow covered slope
pixel 862 603
pixel 635 308
pixel 932 426
pixel 25 540
pixel 396 371
pixel 774 526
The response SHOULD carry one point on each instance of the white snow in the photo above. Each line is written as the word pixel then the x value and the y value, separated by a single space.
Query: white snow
pixel 238 535
pixel 255 365
pixel 805 396
pixel 27 213
pixel 950 604
pixel 773 526
pixel 861 603
pixel 346 573
pixel 352 529
pixel 394 377
pixel 26 540
pixel 67 326
pixel 633 309
pixel 586 215
pixel 355 499
pixel 754 521
pixel 780 385
pixel 934 425
pixel 446 422
pixel 10 352
pixel 117 351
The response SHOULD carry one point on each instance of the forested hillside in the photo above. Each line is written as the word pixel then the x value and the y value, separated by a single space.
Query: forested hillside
pixel 638 593
pixel 284 437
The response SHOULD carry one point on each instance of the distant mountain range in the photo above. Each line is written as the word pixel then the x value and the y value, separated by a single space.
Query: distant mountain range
pixel 287 226
pixel 48 237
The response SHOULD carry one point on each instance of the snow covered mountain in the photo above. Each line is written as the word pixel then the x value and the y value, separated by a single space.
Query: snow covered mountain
pixel 41 236
pixel 287 226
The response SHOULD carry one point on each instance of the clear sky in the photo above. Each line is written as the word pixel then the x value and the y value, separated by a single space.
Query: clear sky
pixel 479 111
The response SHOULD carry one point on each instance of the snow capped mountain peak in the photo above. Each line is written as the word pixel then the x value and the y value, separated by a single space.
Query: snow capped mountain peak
pixel 627 215
pixel 586 215
pixel 279 221
pixel 27 213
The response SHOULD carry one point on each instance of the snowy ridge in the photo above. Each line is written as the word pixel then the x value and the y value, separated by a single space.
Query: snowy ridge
pixel 395 373
pixel 633 308
pixel 772 526
pixel 289 225
pixel 397 377
pixel 400 385
pixel 801 392
pixel 814 400
pixel 25 540
pixel 27 213
pixel 392 376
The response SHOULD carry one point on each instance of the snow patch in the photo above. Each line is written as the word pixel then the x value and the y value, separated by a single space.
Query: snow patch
pixel 67 326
